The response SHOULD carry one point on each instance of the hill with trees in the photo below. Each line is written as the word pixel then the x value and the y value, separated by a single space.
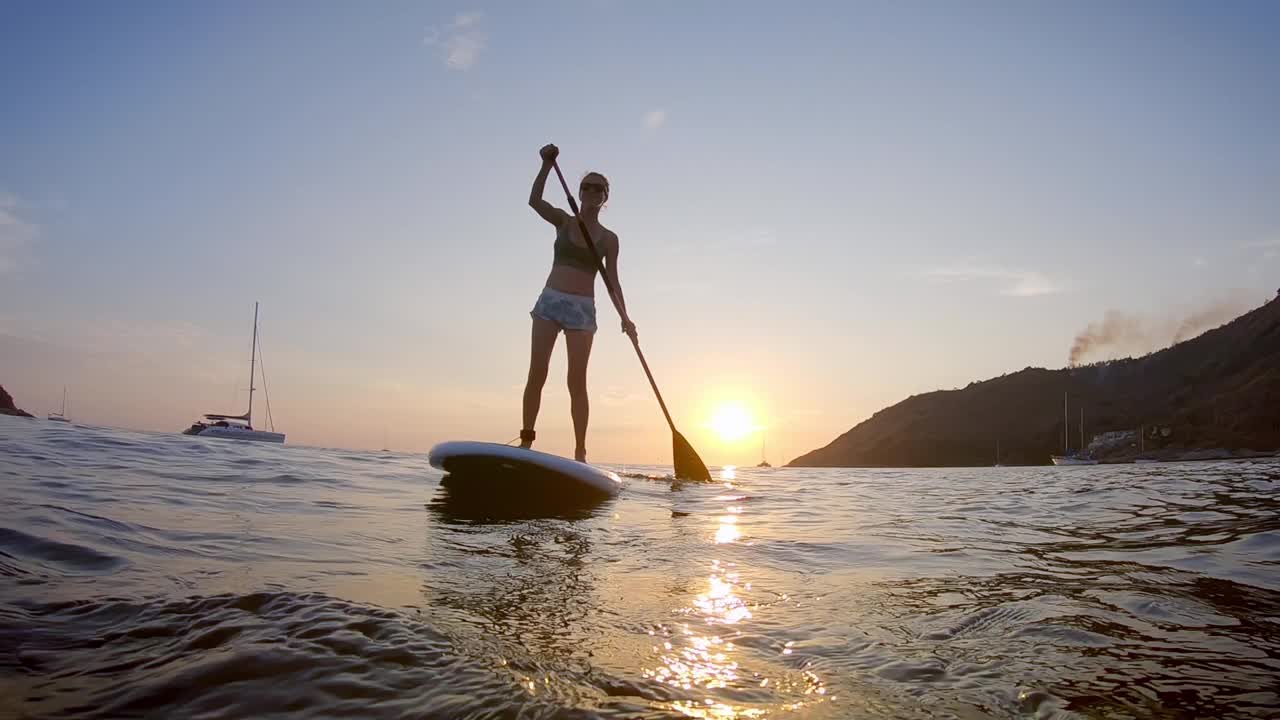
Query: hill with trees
pixel 1220 390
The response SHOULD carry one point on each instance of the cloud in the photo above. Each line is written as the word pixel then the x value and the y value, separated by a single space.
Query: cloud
pixel 1267 250
pixel 1262 244
pixel 1270 248
pixel 462 50
pixel 1014 283
pixel 112 335
pixel 465 20
pixel 655 119
pixel 762 237
pixel 15 231
pixel 460 42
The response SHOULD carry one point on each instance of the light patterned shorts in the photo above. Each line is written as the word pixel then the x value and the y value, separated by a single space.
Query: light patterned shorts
pixel 570 312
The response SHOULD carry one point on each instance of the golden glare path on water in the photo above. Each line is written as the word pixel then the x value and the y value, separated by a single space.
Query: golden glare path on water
pixel 702 653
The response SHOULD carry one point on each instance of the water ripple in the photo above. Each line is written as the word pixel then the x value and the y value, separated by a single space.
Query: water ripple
pixel 151 574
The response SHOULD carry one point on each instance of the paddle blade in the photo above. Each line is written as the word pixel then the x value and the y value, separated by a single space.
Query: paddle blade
pixel 687 463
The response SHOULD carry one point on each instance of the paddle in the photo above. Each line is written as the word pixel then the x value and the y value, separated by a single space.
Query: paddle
pixel 687 463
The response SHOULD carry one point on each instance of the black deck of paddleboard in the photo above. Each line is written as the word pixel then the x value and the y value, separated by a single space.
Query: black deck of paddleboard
pixel 510 478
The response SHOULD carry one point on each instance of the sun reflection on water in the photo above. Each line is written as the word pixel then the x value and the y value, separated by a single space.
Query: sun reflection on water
pixel 712 710
pixel 719 604
pixel 728 530
pixel 705 660
pixel 700 655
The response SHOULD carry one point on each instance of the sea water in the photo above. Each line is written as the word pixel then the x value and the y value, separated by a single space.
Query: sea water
pixel 160 575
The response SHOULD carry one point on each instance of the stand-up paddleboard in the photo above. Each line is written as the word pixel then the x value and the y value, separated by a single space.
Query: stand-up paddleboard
pixel 493 467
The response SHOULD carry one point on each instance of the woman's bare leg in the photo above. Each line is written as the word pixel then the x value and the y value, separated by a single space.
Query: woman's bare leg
pixel 543 342
pixel 578 343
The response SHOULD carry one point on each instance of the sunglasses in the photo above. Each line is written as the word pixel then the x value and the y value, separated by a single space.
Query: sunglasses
pixel 593 187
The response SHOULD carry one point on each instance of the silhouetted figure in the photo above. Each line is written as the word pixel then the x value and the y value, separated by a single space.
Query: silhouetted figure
pixel 567 301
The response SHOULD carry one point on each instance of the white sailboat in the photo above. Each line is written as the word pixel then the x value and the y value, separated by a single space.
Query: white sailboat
pixel 240 427
pixel 1072 460
pixel 61 415
pixel 1079 458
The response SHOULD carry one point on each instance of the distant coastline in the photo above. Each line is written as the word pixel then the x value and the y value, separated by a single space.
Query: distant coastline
pixel 8 408
pixel 1215 396
pixel 1174 455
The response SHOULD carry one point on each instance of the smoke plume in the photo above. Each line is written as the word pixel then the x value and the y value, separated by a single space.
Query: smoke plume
pixel 1120 334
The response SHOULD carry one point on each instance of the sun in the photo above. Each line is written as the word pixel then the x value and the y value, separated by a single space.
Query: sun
pixel 731 422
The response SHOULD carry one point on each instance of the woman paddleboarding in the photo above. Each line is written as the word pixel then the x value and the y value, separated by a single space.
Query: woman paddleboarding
pixel 567 302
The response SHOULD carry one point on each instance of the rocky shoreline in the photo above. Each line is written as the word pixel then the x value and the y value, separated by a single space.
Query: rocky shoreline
pixel 1188 455
pixel 8 408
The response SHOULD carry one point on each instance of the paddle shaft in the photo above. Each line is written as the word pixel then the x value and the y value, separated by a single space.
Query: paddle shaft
pixel 609 286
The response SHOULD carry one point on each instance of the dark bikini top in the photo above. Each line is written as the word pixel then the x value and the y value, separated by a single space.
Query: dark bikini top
pixel 571 254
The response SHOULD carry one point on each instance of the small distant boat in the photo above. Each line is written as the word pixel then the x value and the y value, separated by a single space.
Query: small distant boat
pixel 231 427
pixel 1072 460
pixel 763 463
pixel 61 415
pixel 239 427
pixel 1080 457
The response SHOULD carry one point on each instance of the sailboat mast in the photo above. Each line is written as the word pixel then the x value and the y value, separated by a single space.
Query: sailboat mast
pixel 1065 425
pixel 64 400
pixel 1082 429
pixel 253 355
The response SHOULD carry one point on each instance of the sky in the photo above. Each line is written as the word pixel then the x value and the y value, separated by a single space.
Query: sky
pixel 823 208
